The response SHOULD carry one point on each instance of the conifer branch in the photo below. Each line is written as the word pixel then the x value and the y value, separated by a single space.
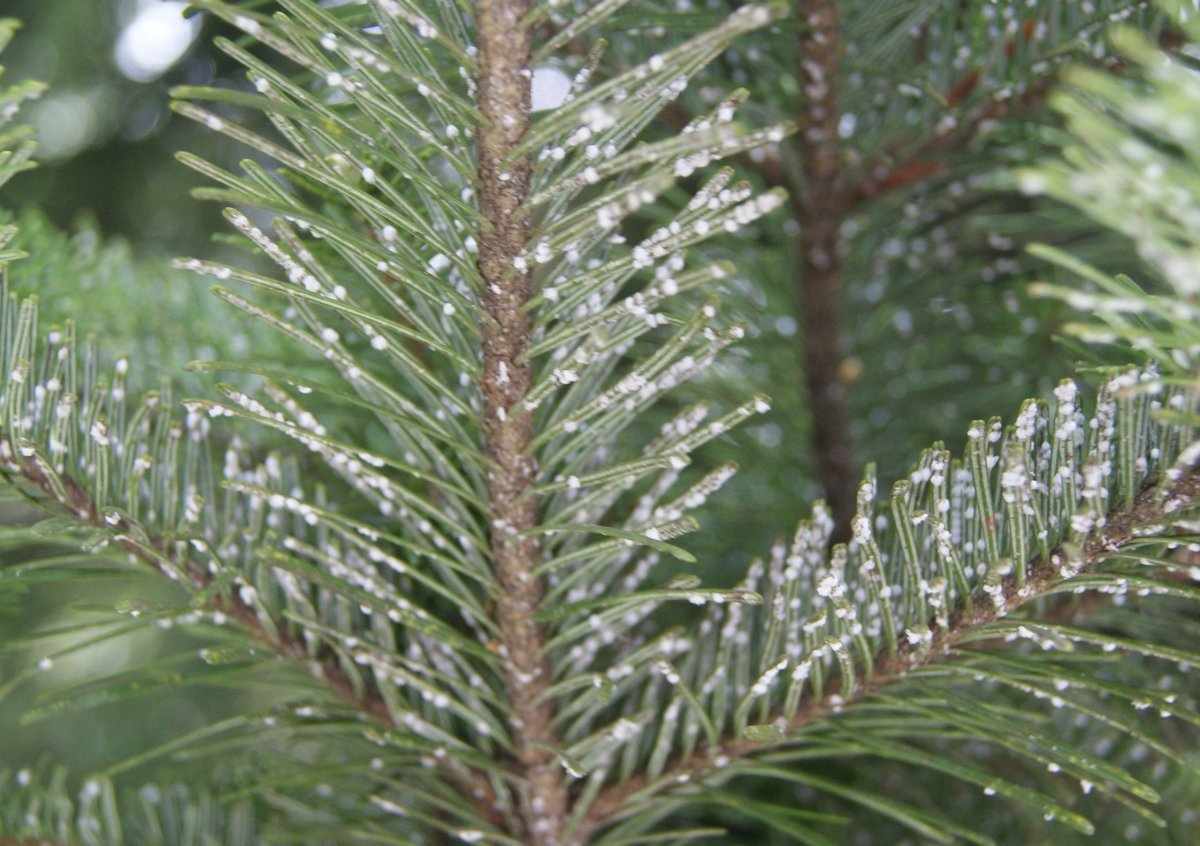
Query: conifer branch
pixel 285 643
pixel 819 208
pixel 505 83
pixel 80 504
pixel 499 591
pixel 765 161
pixel 1153 506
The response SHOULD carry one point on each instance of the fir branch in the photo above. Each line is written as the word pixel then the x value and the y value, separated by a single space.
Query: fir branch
pixel 505 84
pixel 582 671
pixel 153 552
pixel 78 501
pixel 765 161
pixel 1154 505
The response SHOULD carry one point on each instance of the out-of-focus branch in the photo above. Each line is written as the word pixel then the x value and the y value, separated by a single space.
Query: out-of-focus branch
pixel 929 157
pixel 819 207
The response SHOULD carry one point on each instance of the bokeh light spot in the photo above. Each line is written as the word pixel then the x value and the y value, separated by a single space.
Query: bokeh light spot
pixel 154 40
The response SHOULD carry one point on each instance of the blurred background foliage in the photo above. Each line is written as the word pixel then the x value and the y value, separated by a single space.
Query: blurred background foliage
pixel 939 327
pixel 107 140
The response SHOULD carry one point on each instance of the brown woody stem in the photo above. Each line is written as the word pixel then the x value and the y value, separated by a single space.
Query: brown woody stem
pixel 503 186
pixel 820 207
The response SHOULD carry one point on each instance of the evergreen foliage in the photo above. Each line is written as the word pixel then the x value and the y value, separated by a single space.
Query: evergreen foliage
pixel 434 536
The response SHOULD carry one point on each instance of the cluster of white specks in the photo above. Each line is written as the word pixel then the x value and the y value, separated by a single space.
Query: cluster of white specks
pixel 247 25
pixel 994 588
pixel 1067 424
pixel 668 671
pixel 542 252
pixel 1027 421
pixel 424 28
pixel 624 730
pixel 564 376
pixel 193 507
pixel 99 433
pixel 1094 493
pixel 64 408
pixel 696 495
pixel 597 117
pixel 831 587
pixel 674 88
pixel 389 806
pixel 919 636
pixel 937 595
pixel 765 681
pixel 1015 484
pixel 860 530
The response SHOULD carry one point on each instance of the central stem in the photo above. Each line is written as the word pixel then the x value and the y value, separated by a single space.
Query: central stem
pixel 503 187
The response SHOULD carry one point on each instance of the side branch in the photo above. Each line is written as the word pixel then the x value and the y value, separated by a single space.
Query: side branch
pixel 1152 506
pixel 819 208
pixel 153 551
pixel 930 156
pixel 912 161
pixel 80 504
pixel 504 86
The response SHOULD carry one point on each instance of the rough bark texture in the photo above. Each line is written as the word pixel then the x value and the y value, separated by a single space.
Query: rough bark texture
pixel 820 208
pixel 503 186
